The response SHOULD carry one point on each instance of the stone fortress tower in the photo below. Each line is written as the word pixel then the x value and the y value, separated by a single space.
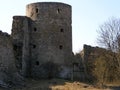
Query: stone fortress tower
pixel 43 40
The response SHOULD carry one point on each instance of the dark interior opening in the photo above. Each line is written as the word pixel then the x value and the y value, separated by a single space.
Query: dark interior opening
pixel 37 63
pixel 34 46
pixel 35 29
pixel 75 64
pixel 58 10
pixel 61 30
pixel 36 10
pixel 60 47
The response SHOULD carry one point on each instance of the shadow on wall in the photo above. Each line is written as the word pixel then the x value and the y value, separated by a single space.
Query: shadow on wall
pixel 115 87
pixel 48 84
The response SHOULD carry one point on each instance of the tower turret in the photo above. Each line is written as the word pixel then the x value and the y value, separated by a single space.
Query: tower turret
pixel 51 35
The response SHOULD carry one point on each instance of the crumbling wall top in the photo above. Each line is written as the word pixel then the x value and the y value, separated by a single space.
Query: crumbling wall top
pixel 4 34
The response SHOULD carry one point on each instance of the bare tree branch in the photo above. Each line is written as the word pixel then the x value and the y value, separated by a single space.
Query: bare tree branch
pixel 109 37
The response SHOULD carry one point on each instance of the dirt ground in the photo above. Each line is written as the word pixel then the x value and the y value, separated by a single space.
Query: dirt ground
pixel 57 84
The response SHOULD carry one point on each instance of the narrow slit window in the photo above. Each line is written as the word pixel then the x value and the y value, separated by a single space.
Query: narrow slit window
pixel 37 63
pixel 58 10
pixel 37 10
pixel 35 29
pixel 34 46
pixel 61 30
pixel 61 47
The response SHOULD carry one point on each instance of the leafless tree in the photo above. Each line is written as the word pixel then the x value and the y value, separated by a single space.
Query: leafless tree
pixel 109 38
pixel 109 34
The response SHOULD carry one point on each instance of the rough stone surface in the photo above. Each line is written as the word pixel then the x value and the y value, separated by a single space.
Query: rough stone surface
pixel 21 42
pixel 43 36
pixel 40 45
pixel 7 62
pixel 78 68
pixel 51 35
pixel 89 55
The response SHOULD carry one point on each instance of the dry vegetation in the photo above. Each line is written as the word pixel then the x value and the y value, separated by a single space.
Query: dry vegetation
pixel 57 84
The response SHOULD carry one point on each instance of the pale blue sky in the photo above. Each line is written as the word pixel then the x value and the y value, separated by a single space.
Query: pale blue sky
pixel 87 15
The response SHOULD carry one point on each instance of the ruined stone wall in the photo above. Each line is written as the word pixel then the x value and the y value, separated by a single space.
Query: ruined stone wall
pixel 78 68
pixel 51 35
pixel 8 71
pixel 21 28
pixel 40 44
pixel 89 55
pixel 7 59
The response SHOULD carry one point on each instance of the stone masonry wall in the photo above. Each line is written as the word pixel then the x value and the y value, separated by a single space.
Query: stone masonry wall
pixel 51 36
pixel 21 28
pixel 89 55
pixel 40 44
pixel 7 59
pixel 8 71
